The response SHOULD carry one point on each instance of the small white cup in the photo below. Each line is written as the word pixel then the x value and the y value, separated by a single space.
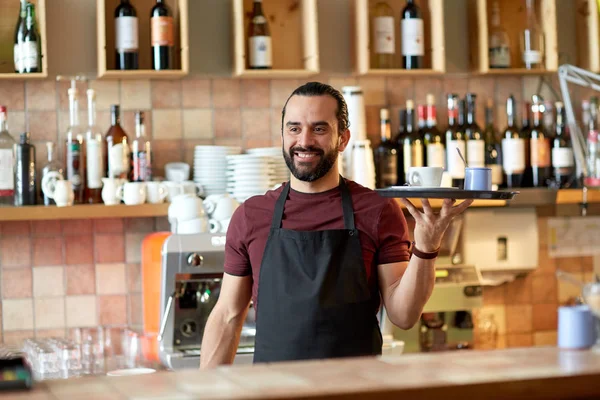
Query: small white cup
pixel 186 207
pixel 225 225
pixel 63 193
pixel 178 188
pixel 156 192
pixel 225 208
pixel 425 176
pixel 214 226
pixel 192 226
pixel 177 171
pixel 132 193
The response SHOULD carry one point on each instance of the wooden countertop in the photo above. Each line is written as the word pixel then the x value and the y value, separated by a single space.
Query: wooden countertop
pixel 528 373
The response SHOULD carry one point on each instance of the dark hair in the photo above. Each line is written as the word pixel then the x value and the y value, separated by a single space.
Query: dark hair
pixel 321 89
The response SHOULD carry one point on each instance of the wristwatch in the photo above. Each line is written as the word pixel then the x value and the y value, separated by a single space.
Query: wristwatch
pixel 423 255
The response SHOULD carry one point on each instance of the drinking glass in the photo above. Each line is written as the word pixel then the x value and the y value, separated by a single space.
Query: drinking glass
pixel 115 347
pixel 91 343
pixel 591 295
pixel 142 350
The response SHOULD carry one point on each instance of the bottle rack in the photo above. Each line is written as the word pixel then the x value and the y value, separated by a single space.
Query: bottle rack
pixel 9 12
pixel 433 19
pixel 293 26
pixel 105 24
pixel 512 15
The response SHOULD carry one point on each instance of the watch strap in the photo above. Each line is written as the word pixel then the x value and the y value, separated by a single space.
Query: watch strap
pixel 424 255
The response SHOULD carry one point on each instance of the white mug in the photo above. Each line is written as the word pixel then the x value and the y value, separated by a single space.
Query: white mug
pixel 210 202
pixel 214 226
pixel 132 193
pixel 178 188
pixel 109 190
pixel 224 225
pixel 156 192
pixel 425 176
pixel 63 193
pixel 192 226
pixel 225 208
pixel 185 207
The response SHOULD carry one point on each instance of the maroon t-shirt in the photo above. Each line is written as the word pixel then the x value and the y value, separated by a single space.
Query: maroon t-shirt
pixel 381 224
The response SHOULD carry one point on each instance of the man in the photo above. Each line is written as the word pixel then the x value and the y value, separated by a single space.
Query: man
pixel 319 253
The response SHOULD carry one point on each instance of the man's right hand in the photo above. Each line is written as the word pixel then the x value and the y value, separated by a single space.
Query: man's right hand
pixel 224 325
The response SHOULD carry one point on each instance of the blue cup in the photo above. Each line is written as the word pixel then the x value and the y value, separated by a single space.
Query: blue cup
pixel 478 178
pixel 576 327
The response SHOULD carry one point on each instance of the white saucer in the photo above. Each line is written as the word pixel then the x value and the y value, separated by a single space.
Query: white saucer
pixel 131 371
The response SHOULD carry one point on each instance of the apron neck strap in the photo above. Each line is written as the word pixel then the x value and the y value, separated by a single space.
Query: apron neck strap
pixel 346 206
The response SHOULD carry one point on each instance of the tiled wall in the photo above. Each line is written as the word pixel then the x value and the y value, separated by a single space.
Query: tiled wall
pixel 61 274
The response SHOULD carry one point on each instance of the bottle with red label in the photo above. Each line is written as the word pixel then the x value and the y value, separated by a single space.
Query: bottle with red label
pixel 162 36
pixel 539 146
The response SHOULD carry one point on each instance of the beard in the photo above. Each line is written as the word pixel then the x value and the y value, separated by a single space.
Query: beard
pixel 303 170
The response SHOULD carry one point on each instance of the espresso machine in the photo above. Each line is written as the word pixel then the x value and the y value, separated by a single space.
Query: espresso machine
pixel 191 276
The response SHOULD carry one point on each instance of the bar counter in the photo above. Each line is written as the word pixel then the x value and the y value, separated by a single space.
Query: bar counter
pixel 532 373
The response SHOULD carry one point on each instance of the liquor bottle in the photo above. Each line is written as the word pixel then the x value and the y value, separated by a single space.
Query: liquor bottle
pixel 513 148
pixel 20 32
pixel 116 147
pixel 141 152
pixel 52 171
pixel 412 145
pixel 413 40
pixel 435 152
pixel 7 161
pixel 475 143
pixel 525 133
pixel 126 36
pixel 162 36
pixel 493 148
pixel 74 156
pixel 93 154
pixel 383 36
pixel 31 48
pixel 548 116
pixel 532 39
pixel 259 39
pixel 455 139
pixel 461 109
pixel 400 173
pixel 593 147
pixel 385 155
pixel 25 173
pixel 563 161
pixel 539 142
pixel 499 50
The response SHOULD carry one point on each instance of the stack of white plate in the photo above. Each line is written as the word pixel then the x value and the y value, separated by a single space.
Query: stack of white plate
pixel 210 164
pixel 281 172
pixel 249 175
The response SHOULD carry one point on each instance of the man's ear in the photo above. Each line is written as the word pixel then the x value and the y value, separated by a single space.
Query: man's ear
pixel 343 139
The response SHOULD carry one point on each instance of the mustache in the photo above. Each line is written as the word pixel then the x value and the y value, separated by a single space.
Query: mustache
pixel 310 149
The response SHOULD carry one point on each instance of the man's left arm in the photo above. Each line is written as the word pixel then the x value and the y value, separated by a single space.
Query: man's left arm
pixel 407 286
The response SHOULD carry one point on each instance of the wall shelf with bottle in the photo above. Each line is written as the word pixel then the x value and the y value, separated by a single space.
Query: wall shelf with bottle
pixel 275 39
pixel 398 37
pixel 497 37
pixel 9 25
pixel 588 34
pixel 148 47
pixel 83 211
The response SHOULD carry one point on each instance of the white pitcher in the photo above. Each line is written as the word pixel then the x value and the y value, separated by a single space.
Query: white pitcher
pixel 109 190
pixel 63 193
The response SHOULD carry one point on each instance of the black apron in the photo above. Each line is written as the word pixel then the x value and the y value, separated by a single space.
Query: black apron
pixel 313 300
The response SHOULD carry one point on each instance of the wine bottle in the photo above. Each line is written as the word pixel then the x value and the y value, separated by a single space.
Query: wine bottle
pixel 20 32
pixel 162 36
pixel 74 155
pixel 525 133
pixel 52 170
pixel 455 139
pixel 93 154
pixel 532 39
pixel 563 161
pixel 539 142
pixel 385 155
pixel 513 148
pixel 383 36
pixel 7 161
pixel 126 36
pixel 499 43
pixel 493 151
pixel 398 139
pixel 141 152
pixel 475 142
pixel 116 147
pixel 413 40
pixel 31 48
pixel 25 172
pixel 435 153
pixel 259 39
pixel 412 145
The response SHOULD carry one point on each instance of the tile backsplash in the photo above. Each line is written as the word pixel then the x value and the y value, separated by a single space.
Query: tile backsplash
pixel 60 274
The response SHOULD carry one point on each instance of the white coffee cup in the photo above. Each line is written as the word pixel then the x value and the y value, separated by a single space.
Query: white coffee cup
pixel 156 192
pixel 425 176
pixel 192 226
pixel 132 193
pixel 109 190
pixel 225 225
pixel 177 188
pixel 185 207
pixel 214 226
pixel 210 202
pixel 177 171
pixel 63 193
pixel 225 208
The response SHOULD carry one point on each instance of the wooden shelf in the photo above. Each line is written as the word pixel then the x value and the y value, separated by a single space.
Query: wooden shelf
pixel 105 25
pixel 512 16
pixel 295 38
pixel 9 12
pixel 575 196
pixel 85 211
pixel 514 71
pixel 433 18
pixel 588 34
